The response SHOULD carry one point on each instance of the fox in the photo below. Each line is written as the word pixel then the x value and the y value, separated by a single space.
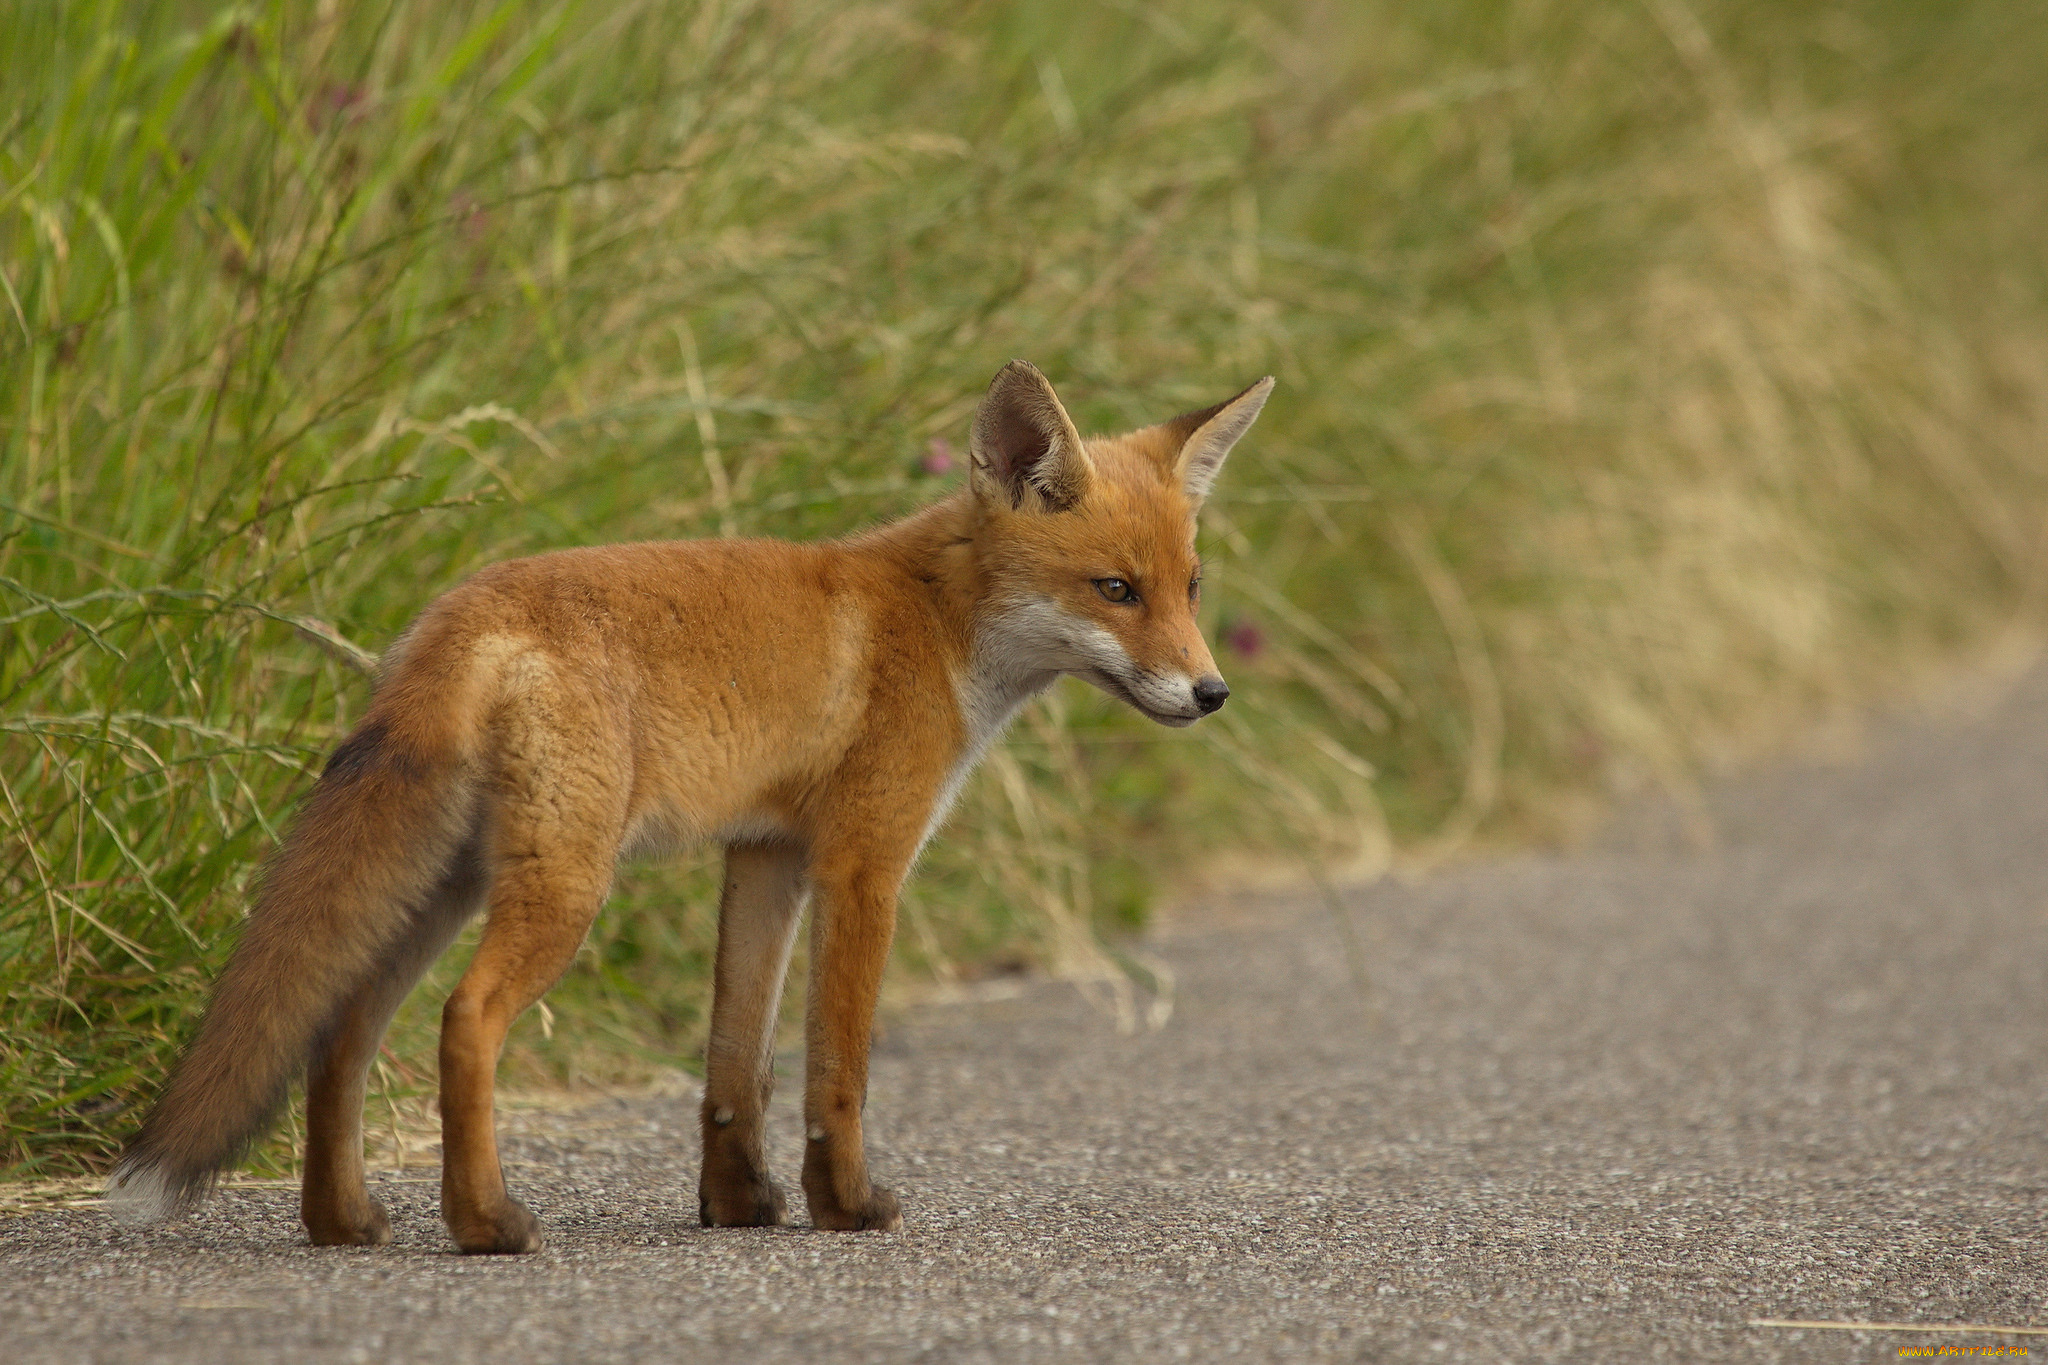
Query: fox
pixel 813 708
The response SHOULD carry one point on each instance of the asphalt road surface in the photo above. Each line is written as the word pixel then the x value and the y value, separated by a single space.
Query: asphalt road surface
pixel 1612 1105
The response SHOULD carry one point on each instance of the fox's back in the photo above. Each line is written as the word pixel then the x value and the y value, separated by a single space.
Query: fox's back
pixel 720 681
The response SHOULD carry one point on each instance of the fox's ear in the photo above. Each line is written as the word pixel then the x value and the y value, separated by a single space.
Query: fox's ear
pixel 1207 436
pixel 1024 450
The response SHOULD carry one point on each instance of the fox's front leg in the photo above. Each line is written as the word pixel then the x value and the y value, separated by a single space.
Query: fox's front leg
pixel 757 919
pixel 850 933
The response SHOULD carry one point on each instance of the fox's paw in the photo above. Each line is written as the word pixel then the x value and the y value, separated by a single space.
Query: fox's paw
pixel 879 1212
pixel 829 1182
pixel 755 1202
pixel 509 1230
pixel 368 1226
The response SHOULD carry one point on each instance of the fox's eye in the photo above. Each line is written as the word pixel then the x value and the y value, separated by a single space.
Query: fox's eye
pixel 1194 590
pixel 1115 589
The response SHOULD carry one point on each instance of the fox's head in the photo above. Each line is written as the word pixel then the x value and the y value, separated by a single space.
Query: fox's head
pixel 1088 547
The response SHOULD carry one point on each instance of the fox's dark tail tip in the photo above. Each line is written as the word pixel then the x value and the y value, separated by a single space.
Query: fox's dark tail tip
pixel 141 1191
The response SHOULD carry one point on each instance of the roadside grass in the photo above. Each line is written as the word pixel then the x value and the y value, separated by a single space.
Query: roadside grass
pixel 1653 377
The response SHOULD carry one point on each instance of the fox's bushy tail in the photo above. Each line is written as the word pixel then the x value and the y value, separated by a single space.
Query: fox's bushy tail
pixel 381 828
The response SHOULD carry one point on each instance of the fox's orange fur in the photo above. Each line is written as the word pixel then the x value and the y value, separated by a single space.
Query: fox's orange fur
pixel 813 708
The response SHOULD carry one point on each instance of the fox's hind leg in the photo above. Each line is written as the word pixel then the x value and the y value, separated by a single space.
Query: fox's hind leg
pixel 554 851
pixel 334 1202
pixel 757 919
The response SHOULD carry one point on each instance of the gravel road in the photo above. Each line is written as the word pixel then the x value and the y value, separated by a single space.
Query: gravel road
pixel 1611 1105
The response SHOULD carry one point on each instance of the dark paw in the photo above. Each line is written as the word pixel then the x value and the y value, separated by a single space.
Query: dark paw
pixel 879 1212
pixel 367 1226
pixel 755 1203
pixel 509 1230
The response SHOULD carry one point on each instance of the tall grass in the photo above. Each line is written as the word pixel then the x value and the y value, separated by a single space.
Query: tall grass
pixel 1652 375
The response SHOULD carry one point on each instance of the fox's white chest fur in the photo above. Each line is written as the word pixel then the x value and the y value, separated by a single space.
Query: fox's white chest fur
pixel 1009 666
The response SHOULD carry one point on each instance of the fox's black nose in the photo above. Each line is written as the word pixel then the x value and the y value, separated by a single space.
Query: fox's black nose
pixel 1210 693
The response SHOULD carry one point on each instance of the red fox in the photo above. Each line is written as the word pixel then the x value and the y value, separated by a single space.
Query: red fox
pixel 812 708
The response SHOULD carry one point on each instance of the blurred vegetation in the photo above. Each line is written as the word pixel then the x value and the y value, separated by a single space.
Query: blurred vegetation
pixel 1653 375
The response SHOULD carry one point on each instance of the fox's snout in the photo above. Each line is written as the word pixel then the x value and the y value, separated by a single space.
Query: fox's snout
pixel 1169 700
